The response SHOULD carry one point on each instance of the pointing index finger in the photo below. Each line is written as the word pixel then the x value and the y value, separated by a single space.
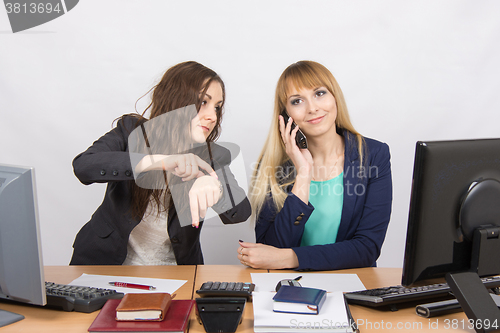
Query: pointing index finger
pixel 193 205
pixel 205 166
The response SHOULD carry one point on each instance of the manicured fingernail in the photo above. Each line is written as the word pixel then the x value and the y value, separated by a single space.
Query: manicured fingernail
pixel 240 240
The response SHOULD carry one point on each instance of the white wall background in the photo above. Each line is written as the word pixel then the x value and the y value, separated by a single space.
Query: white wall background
pixel 410 70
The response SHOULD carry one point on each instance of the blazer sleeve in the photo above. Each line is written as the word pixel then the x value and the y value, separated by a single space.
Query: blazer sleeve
pixel 107 160
pixel 233 206
pixel 365 230
pixel 282 229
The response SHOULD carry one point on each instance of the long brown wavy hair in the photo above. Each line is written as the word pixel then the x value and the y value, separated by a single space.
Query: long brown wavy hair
pixel 182 85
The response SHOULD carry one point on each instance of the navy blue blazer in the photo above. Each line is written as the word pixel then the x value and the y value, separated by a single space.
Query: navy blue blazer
pixel 365 214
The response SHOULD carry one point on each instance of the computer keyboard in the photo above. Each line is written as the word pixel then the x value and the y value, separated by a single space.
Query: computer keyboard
pixel 77 298
pixel 226 289
pixel 399 294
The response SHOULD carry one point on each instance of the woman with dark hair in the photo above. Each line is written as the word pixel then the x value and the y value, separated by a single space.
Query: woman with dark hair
pixel 162 174
pixel 326 206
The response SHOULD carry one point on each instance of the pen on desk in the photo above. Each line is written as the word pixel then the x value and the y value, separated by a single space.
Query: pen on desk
pixel 132 285
pixel 298 278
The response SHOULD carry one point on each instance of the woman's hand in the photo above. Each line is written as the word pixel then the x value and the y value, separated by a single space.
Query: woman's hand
pixel 301 159
pixel 262 256
pixel 186 166
pixel 204 193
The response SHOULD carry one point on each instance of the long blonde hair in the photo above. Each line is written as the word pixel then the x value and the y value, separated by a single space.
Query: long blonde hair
pixel 275 172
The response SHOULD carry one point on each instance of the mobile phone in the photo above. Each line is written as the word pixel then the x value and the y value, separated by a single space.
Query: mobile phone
pixel 300 138
pixel 287 282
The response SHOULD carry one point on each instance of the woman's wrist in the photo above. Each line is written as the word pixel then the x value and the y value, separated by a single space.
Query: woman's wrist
pixel 150 162
pixel 291 261
pixel 301 188
pixel 221 189
pixel 304 171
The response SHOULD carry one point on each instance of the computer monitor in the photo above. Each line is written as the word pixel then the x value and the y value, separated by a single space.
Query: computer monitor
pixel 21 265
pixel 454 220
pixel 455 189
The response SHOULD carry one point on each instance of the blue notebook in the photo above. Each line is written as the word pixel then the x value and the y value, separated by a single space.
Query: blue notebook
pixel 301 300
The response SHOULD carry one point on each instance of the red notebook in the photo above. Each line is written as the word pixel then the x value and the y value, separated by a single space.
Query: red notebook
pixel 176 319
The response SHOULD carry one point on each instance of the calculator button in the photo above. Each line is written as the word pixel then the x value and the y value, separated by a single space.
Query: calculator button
pixel 226 289
pixel 206 285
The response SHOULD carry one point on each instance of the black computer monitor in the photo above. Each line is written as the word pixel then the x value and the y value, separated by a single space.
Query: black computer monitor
pixel 21 265
pixel 454 220
pixel 455 189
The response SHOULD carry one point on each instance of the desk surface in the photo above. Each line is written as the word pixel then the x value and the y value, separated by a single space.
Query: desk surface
pixel 369 320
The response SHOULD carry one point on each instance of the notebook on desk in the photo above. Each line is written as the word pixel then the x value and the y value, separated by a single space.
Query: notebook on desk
pixel 176 319
pixel 335 316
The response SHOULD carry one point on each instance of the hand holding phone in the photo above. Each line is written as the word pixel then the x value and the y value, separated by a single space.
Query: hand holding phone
pixel 300 138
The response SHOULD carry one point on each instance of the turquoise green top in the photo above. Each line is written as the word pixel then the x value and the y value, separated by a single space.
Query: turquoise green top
pixel 327 199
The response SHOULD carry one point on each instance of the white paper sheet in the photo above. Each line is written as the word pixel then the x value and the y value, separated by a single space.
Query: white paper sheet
pixel 102 281
pixel 328 282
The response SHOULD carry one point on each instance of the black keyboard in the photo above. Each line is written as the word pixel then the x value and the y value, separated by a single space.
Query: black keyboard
pixel 399 294
pixel 226 289
pixel 77 298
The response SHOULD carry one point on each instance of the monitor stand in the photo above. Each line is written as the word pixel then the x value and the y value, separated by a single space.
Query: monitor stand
pixel 483 313
pixel 7 318
pixel 479 221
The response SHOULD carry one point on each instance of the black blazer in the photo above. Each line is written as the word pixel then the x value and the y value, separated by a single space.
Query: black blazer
pixel 103 240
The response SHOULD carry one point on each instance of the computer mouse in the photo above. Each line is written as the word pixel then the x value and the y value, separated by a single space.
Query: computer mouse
pixel 288 282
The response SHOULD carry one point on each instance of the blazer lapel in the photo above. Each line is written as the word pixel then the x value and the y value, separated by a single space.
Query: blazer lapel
pixel 351 169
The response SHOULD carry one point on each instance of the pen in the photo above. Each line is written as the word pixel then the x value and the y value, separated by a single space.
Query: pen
pixel 132 285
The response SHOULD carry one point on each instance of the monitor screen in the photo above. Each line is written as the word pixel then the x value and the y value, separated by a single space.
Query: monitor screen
pixel 445 174
pixel 21 265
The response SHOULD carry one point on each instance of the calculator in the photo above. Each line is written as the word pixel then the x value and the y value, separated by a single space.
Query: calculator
pixel 226 289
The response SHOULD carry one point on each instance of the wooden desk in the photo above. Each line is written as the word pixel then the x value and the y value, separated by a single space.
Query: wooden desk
pixel 369 320
pixel 405 319
pixel 38 319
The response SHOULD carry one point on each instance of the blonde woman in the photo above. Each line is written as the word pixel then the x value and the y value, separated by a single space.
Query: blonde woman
pixel 324 207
